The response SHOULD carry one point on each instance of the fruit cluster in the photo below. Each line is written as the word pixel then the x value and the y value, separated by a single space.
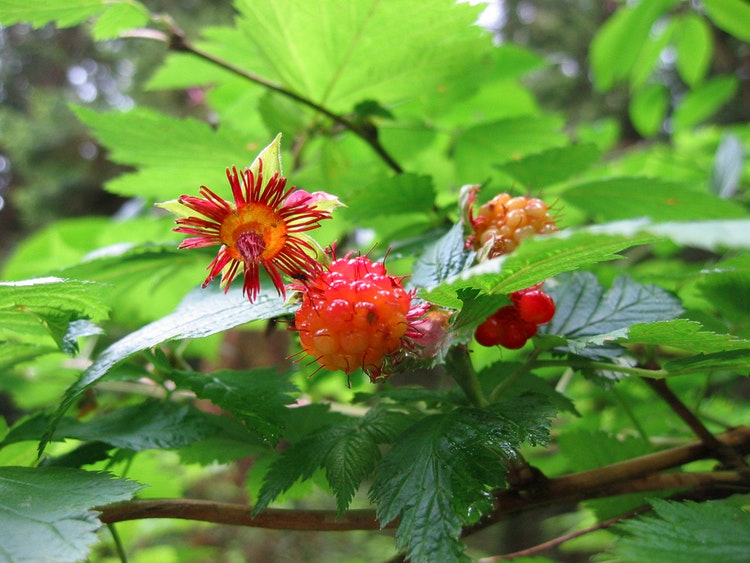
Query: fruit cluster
pixel 511 326
pixel 504 222
pixel 354 315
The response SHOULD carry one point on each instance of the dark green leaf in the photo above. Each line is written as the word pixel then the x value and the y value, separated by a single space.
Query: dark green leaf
pixel 257 397
pixel 727 169
pixel 441 469
pixel 477 306
pixel 659 200
pixel 46 512
pixel 444 258
pixel 730 15
pixel 711 532
pixel 587 315
pixel 548 167
pixel 735 360
pixel 203 314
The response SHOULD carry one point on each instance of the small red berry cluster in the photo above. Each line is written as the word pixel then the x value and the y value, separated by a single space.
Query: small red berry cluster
pixel 511 326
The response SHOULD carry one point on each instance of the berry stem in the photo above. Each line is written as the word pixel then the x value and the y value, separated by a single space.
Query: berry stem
pixel 458 365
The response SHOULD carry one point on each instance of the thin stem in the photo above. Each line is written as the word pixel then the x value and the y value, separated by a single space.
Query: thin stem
pixel 508 382
pixel 574 363
pixel 458 365
pixel 177 41
pixel 118 543
pixel 724 453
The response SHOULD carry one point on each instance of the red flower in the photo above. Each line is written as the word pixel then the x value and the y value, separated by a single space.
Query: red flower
pixel 263 227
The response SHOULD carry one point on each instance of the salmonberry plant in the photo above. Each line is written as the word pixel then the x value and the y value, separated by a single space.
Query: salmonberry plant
pixel 377 288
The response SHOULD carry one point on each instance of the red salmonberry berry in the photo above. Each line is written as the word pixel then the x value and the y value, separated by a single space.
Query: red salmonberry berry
pixel 504 222
pixel 488 333
pixel 536 307
pixel 354 315
pixel 506 328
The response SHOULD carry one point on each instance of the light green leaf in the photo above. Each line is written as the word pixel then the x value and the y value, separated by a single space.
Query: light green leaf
pixel 46 512
pixel 626 198
pixel 65 13
pixel 207 314
pixel 648 108
pixel 617 43
pixel 538 170
pixel 120 16
pixel 405 193
pixel 479 149
pixel 684 335
pixel 194 155
pixel 730 15
pixel 704 101
pixel 323 50
pixel 713 531
pixel 711 235
pixel 694 43
pixel 649 54
pixel 534 261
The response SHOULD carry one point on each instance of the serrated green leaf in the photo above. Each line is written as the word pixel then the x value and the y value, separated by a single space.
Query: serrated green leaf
pixel 477 306
pixel 257 397
pixel 201 316
pixel 444 258
pixel 479 149
pixel 734 360
pixel 648 108
pixel 340 71
pixel 684 335
pixel 726 172
pixel 704 100
pixel 712 531
pixel 118 17
pixel 65 13
pixel 694 43
pixel 195 155
pixel 534 261
pixel 405 193
pixel 730 15
pixel 588 316
pixel 616 45
pixel 440 470
pixel 529 384
pixel 656 199
pixel 53 505
pixel 538 170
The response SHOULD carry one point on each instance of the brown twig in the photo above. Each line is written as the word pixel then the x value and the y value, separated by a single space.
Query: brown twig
pixel 635 475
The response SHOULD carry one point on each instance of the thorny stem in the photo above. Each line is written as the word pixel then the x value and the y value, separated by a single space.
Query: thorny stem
pixel 458 365
pixel 176 41
pixel 635 475
pixel 726 454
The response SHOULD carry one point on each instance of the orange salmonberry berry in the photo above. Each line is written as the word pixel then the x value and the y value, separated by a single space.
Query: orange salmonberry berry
pixel 504 222
pixel 354 315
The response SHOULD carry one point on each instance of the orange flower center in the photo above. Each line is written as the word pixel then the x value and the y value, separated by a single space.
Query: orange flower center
pixel 254 232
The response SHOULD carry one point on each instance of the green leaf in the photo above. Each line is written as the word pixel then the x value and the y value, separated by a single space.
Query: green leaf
pixel 711 235
pixel 737 361
pixel 257 397
pixel 197 317
pixel 712 531
pixel 46 512
pixel 195 155
pixel 658 200
pixel 727 287
pixel 727 169
pixel 405 193
pixel 684 335
pixel 701 103
pixel 119 17
pixel 730 15
pixel 548 167
pixel 477 306
pixel 694 43
pixel 479 149
pixel 649 55
pixel 340 71
pixel 648 108
pixel 444 258
pixel 616 45
pixel 348 451
pixel 65 13
pixel 534 261
pixel 586 314
pixel 437 476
